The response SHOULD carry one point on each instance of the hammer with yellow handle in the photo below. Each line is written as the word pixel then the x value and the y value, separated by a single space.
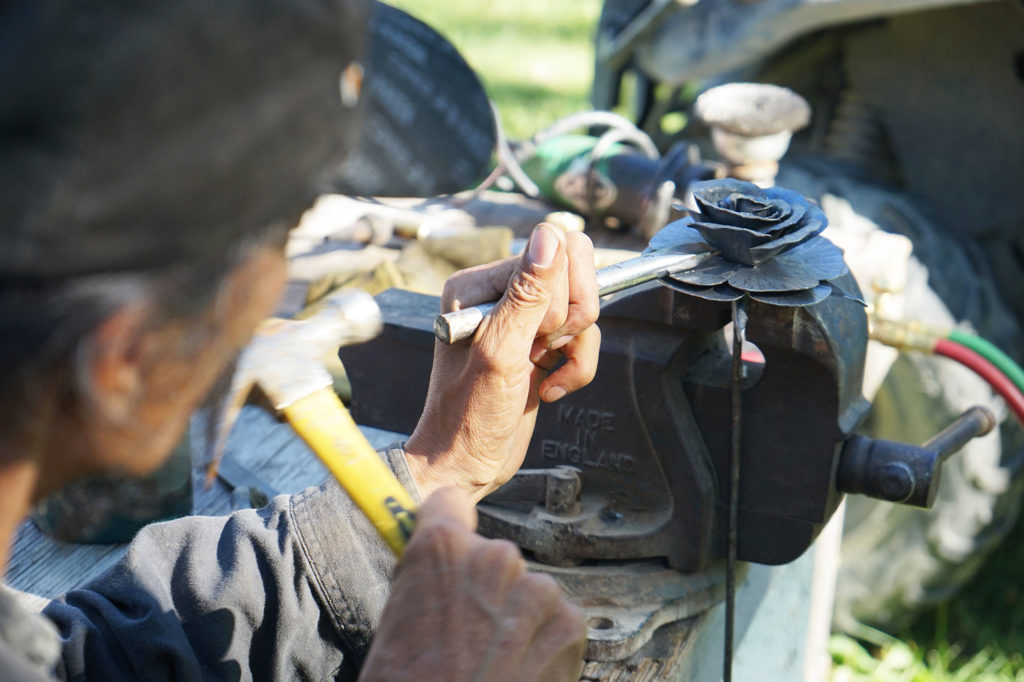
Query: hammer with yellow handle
pixel 285 361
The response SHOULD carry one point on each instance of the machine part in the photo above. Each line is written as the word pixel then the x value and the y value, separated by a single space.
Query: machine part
pixel 751 126
pixel 615 48
pixel 700 43
pixel 898 472
pixel 625 602
pixel 709 38
pixel 509 160
pixel 603 177
pixel 558 489
pixel 960 61
pixel 285 362
pixel 618 176
pixel 461 324
pixel 857 140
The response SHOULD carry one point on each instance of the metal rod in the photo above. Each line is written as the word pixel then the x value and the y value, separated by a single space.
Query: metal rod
pixel 738 332
pixel 976 421
pixel 461 324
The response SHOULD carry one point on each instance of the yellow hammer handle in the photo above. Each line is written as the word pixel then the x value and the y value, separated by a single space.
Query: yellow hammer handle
pixel 322 421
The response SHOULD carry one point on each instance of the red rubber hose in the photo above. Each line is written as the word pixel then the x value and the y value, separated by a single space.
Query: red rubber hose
pixel 987 371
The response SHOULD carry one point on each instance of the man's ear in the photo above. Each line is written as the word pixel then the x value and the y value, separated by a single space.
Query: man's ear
pixel 111 367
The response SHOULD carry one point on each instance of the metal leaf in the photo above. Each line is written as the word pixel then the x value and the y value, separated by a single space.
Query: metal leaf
pixel 792 198
pixel 795 298
pixel 816 256
pixel 676 234
pixel 722 292
pixel 843 293
pixel 772 275
pixel 709 273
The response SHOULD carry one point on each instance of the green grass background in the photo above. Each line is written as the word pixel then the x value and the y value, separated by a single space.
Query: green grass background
pixel 535 58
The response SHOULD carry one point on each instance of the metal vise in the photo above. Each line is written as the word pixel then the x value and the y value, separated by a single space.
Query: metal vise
pixel 648 440
pixel 625 483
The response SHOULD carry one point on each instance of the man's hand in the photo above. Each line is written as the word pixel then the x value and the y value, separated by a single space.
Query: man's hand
pixel 483 397
pixel 464 608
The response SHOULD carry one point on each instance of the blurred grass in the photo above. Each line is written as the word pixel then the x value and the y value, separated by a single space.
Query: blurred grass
pixel 535 57
pixel 976 636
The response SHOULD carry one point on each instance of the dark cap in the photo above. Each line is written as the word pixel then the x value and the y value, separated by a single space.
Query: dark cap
pixel 139 134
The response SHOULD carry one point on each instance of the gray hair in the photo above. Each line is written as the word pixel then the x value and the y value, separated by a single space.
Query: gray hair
pixel 46 326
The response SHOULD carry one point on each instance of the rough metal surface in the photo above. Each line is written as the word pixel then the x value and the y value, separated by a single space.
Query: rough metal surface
pixel 650 434
pixel 717 35
pixel 752 109
pixel 626 602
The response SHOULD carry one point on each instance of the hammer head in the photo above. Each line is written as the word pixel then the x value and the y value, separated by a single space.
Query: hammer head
pixel 286 359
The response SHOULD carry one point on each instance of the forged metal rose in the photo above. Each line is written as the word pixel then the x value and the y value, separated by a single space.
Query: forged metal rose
pixel 768 245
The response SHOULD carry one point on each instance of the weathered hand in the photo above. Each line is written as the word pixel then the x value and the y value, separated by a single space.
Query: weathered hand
pixel 483 397
pixel 464 608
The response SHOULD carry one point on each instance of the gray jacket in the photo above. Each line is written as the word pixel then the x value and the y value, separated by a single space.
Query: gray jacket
pixel 292 591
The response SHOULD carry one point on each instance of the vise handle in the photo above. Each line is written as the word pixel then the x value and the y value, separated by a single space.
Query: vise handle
pixel 900 472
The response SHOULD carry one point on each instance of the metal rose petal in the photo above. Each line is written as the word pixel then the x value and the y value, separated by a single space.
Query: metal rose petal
pixel 789 196
pixel 734 242
pixel 797 214
pixel 817 256
pixel 722 292
pixel 814 211
pixel 763 252
pixel 709 273
pixel 746 211
pixel 762 228
pixel 733 202
pixel 767 207
pixel 677 234
pixel 773 276
pixel 795 298
pixel 714 191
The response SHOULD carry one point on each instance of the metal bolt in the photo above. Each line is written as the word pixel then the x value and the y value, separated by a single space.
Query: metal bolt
pixel 562 493
pixel 751 126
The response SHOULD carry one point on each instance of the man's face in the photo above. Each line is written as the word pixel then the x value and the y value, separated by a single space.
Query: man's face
pixel 175 374
pixel 180 383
